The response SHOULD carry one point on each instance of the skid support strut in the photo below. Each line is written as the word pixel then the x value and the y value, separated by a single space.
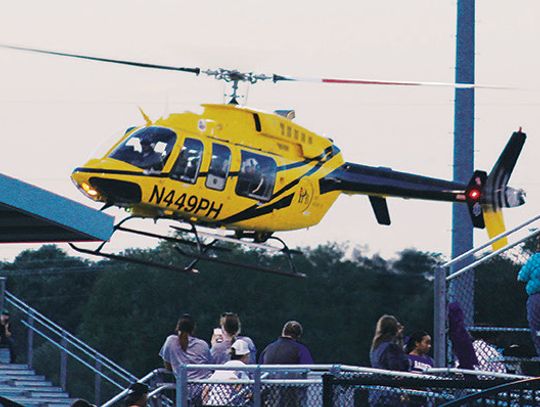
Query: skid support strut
pixel 200 251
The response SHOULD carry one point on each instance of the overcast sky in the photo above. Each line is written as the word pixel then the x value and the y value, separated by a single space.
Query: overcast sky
pixel 54 112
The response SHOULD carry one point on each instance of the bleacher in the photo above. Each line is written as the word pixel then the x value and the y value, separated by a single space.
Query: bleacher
pixel 22 385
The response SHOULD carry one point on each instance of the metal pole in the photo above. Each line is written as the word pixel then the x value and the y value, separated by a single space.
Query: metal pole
pixel 63 363
pixel 97 384
pixel 30 343
pixel 181 387
pixel 257 401
pixel 439 316
pixel 462 229
pixel 2 292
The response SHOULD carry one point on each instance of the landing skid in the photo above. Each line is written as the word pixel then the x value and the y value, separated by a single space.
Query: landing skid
pixel 200 250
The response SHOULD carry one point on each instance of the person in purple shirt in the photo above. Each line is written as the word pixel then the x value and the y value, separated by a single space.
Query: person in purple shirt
pixel 417 347
pixel 387 346
pixel 183 348
pixel 287 350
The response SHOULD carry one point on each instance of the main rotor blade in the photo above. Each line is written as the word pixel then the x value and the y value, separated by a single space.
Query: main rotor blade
pixel 352 81
pixel 196 71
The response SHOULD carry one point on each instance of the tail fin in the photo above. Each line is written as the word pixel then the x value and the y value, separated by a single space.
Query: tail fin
pixel 495 194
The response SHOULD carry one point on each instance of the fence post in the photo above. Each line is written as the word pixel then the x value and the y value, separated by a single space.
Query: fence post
pixel 327 390
pixel 181 387
pixel 30 342
pixel 63 363
pixel 257 401
pixel 439 316
pixel 97 384
pixel 2 292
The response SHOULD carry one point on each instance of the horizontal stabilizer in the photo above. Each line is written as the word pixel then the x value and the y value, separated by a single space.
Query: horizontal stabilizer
pixel 381 209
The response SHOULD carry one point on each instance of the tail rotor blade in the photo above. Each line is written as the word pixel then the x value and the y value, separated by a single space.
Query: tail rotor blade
pixel 497 193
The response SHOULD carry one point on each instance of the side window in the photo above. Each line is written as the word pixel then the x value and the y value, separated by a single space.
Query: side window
pixel 188 163
pixel 256 177
pixel 219 167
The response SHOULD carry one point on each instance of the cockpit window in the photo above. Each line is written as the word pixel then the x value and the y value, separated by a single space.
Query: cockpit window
pixel 189 160
pixel 219 167
pixel 257 176
pixel 147 148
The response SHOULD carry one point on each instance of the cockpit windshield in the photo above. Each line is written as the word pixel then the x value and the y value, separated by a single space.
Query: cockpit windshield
pixel 147 148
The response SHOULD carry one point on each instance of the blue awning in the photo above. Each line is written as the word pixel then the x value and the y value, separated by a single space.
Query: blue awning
pixel 29 214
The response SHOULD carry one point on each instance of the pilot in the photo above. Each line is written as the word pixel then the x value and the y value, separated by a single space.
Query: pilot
pixel 147 147
pixel 149 157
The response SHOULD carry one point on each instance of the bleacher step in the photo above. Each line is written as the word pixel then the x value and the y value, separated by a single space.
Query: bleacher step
pixel 31 383
pixel 24 386
pixel 13 367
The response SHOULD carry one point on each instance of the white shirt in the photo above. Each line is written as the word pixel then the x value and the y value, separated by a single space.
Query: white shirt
pixel 226 394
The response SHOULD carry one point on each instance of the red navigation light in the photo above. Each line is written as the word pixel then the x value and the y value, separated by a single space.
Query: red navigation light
pixel 474 194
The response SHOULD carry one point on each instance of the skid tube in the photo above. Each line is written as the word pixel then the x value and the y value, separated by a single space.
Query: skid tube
pixel 200 253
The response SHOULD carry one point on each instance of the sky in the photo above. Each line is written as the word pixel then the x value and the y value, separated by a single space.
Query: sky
pixel 55 112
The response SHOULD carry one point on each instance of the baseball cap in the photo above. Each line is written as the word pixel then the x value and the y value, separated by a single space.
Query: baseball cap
pixel 240 347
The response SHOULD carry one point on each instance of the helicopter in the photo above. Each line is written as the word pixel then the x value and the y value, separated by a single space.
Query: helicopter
pixel 252 173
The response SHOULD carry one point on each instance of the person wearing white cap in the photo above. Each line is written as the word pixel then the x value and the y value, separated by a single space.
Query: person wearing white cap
pixel 224 394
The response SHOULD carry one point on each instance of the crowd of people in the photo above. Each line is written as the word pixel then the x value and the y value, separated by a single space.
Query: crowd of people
pixel 229 346
pixel 390 351
pixel 390 348
pixel 230 349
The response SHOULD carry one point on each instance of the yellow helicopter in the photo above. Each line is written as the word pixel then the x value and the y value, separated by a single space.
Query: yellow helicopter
pixel 255 173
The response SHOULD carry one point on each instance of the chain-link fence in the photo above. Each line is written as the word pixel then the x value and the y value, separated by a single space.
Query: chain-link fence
pixel 323 385
pixel 252 385
pixel 278 393
pixel 384 389
pixel 482 284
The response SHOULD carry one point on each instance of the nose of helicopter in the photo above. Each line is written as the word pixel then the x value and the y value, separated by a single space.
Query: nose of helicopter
pixel 104 187
pixel 82 182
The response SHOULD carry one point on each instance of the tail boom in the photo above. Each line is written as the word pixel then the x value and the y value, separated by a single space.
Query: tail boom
pixel 484 194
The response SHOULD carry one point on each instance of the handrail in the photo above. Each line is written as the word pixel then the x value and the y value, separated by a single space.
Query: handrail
pixel 349 368
pixel 489 256
pixel 159 390
pixel 489 242
pixel 124 392
pixel 70 353
pixel 73 340
pixel 517 385
pixel 476 373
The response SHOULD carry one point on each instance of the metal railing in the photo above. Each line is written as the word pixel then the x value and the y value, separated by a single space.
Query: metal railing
pixel 473 258
pixel 68 345
pixel 155 380
pixel 519 393
pixel 302 385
